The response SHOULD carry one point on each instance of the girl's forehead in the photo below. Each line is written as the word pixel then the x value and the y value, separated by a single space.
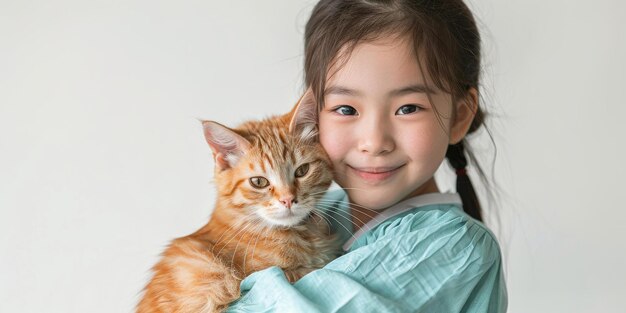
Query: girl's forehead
pixel 379 65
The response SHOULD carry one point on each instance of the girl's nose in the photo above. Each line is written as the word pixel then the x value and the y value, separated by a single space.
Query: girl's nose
pixel 375 139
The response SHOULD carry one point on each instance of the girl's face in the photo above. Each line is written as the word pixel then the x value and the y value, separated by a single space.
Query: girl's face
pixel 379 127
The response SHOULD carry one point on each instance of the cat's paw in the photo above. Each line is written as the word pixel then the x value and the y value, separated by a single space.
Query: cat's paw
pixel 227 290
pixel 296 273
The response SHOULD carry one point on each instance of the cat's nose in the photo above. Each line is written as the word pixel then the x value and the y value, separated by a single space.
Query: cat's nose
pixel 288 201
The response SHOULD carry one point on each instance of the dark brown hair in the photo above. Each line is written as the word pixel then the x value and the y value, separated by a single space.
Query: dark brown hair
pixel 445 33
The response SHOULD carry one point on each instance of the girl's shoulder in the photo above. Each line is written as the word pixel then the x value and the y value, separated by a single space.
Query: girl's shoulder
pixel 422 226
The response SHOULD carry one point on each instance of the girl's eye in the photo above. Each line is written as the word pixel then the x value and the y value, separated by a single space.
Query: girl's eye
pixel 407 109
pixel 302 170
pixel 259 182
pixel 345 110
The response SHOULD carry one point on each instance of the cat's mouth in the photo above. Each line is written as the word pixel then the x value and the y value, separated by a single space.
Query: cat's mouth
pixel 284 214
pixel 286 217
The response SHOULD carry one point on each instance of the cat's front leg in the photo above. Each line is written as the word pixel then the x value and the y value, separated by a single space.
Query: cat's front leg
pixel 226 292
pixel 190 279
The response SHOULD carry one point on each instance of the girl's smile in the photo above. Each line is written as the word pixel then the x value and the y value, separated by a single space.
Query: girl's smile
pixel 375 175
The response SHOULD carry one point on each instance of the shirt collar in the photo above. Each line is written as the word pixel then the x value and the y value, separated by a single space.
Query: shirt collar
pixel 403 206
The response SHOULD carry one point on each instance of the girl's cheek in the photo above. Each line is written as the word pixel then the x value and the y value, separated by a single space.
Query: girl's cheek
pixel 335 140
pixel 431 146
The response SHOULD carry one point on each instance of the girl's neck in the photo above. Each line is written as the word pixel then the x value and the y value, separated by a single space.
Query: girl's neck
pixel 361 216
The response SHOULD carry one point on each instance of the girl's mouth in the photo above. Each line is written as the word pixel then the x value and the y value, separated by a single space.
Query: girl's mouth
pixel 375 174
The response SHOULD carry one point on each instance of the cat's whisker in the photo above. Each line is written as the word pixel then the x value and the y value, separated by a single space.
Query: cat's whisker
pixel 263 234
pixel 219 240
pixel 354 225
pixel 359 207
pixel 314 211
pixel 363 223
pixel 318 193
pixel 259 232
pixel 344 188
pixel 239 240
pixel 231 239
pixel 338 222
pixel 232 261
pixel 327 221
pixel 365 211
pixel 235 225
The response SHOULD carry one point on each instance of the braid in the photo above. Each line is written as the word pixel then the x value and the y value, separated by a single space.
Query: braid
pixel 456 157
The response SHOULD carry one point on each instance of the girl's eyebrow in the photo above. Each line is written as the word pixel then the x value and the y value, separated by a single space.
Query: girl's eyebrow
pixel 342 91
pixel 416 88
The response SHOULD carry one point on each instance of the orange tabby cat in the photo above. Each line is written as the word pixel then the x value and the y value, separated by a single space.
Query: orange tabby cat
pixel 269 174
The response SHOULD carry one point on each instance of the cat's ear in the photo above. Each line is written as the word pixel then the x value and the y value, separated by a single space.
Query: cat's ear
pixel 227 145
pixel 304 117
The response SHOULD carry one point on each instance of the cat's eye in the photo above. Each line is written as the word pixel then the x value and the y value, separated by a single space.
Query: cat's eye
pixel 259 182
pixel 302 170
pixel 345 110
pixel 407 109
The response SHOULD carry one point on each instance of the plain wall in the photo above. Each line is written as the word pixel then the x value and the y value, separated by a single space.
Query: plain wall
pixel 103 161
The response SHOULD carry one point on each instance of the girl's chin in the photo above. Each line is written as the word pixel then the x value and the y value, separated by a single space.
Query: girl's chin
pixel 372 200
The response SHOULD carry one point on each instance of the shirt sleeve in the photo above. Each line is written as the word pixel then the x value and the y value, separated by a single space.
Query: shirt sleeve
pixel 454 266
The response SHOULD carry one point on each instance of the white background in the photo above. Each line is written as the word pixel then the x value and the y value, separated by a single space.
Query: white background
pixel 102 159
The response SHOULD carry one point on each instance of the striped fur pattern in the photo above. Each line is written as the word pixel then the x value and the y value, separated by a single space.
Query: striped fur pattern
pixel 251 227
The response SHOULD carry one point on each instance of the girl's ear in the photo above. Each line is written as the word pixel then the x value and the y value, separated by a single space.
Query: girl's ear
pixel 304 117
pixel 465 111
pixel 227 145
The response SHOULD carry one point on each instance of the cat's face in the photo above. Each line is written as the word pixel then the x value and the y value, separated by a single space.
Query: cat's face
pixel 272 170
pixel 279 179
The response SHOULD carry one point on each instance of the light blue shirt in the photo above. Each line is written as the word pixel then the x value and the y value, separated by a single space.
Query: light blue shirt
pixel 423 254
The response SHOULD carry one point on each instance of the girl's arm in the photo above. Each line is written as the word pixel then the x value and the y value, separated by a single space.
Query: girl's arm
pixel 438 261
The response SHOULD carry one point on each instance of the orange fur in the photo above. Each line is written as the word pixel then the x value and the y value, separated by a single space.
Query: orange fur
pixel 202 272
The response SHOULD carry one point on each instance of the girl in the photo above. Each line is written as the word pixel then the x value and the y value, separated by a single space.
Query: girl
pixel 396 85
